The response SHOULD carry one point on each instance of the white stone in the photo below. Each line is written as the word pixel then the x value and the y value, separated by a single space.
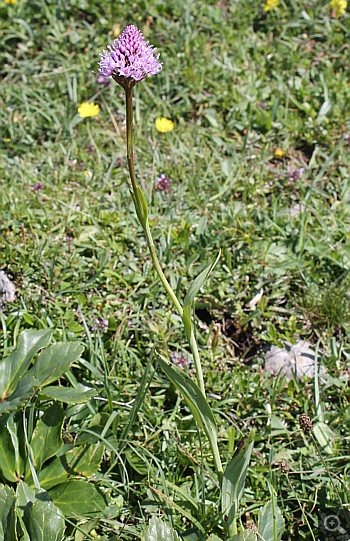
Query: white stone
pixel 7 289
pixel 298 359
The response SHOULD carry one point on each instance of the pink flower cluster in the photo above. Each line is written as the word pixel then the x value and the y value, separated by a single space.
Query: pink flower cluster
pixel 130 57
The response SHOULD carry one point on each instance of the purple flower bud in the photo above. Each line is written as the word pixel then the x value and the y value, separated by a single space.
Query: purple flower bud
pixel 37 187
pixel 130 59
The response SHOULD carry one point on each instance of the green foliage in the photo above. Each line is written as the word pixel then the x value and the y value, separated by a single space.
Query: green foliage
pixel 233 482
pixel 238 83
pixel 158 530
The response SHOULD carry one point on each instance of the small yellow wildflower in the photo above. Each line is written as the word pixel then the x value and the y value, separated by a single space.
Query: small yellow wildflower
pixel 88 109
pixel 278 152
pixel 8 140
pixel 338 6
pixel 12 1
pixel 164 124
pixel 271 4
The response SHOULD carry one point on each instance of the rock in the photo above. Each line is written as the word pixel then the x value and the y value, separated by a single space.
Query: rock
pixel 298 359
pixel 7 289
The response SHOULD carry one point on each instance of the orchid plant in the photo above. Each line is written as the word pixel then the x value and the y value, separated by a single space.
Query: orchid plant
pixel 129 60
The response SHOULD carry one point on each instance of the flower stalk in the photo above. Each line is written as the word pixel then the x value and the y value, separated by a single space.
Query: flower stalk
pixel 145 224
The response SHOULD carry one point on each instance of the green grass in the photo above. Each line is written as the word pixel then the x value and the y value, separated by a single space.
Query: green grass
pixel 238 83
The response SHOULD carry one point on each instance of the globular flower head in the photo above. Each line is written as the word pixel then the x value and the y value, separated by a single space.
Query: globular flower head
pixel 295 174
pixel 129 59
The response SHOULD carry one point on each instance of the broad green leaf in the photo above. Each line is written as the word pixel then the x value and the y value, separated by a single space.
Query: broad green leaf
pixel 7 514
pixel 192 292
pixel 233 482
pixel 8 455
pixel 15 365
pixel 25 497
pixel 85 459
pixel 78 395
pixel 53 473
pixel 247 535
pixel 271 522
pixel 85 528
pixel 197 403
pixel 15 427
pixel 158 530
pixel 78 498
pixel 325 436
pixel 22 392
pixel 47 438
pixel 55 360
pixel 45 522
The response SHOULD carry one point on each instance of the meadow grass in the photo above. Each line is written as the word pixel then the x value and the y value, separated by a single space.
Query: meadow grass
pixel 255 96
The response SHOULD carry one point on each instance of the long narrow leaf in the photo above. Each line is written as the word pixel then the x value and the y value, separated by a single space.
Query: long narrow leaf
pixel 233 483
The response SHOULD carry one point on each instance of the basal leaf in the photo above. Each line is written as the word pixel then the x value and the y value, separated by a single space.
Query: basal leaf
pixel 55 360
pixel 7 514
pixel 55 472
pixel 233 483
pixel 158 530
pixel 19 396
pixel 8 455
pixel 68 395
pixel 45 522
pixel 15 365
pixel 247 535
pixel 271 522
pixel 78 498
pixel 47 437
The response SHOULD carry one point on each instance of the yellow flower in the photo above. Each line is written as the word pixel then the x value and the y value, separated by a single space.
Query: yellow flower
pixel 271 4
pixel 12 1
pixel 164 124
pixel 88 109
pixel 116 30
pixel 339 6
pixel 278 152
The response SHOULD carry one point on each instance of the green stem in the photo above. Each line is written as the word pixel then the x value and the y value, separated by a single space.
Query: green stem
pixel 147 230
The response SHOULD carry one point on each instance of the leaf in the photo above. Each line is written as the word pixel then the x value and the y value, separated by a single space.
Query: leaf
pixel 8 456
pixel 324 435
pixel 85 528
pixel 271 522
pixel 25 497
pixel 55 360
pixel 197 403
pixel 192 292
pixel 20 395
pixel 85 459
pixel 45 522
pixel 53 473
pixel 233 482
pixel 247 535
pixel 158 530
pixel 47 439
pixel 7 514
pixel 15 365
pixel 78 395
pixel 78 498
pixel 15 427
pixel 325 109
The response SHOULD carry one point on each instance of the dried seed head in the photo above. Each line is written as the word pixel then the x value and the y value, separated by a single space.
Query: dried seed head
pixel 284 467
pixel 305 423
pixel 251 526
